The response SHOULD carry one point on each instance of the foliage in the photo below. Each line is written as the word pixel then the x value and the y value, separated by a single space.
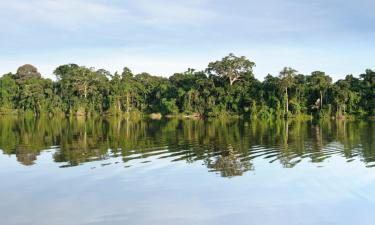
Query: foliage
pixel 226 88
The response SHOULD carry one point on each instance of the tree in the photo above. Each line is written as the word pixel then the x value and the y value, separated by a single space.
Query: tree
pixel 81 87
pixel 341 95
pixel 147 86
pixel 368 91
pixel 127 88
pixel 272 95
pixel 231 68
pixel 287 76
pixel 115 90
pixel 320 82
pixel 8 91
pixel 31 96
pixel 27 71
pixel 189 90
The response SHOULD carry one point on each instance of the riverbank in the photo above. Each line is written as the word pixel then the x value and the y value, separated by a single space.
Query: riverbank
pixel 195 116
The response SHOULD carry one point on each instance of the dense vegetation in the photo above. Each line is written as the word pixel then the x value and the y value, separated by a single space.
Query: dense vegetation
pixel 226 87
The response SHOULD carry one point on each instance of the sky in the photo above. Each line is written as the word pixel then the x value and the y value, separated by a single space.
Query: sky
pixel 167 36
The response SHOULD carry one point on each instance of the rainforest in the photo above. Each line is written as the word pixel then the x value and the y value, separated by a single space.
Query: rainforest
pixel 227 87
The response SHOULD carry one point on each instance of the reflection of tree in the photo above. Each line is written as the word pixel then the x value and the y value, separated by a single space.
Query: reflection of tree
pixel 25 137
pixel 25 155
pixel 225 146
pixel 228 164
pixel 84 142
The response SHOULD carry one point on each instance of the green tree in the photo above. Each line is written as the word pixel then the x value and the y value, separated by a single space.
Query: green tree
pixel 81 88
pixel 8 91
pixel 287 77
pixel 231 68
pixel 368 91
pixel 27 71
pixel 320 82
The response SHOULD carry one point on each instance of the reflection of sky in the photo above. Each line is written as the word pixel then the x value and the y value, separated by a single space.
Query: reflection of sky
pixel 165 36
pixel 161 192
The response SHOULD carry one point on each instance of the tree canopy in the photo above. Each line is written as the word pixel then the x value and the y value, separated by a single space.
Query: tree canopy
pixel 226 87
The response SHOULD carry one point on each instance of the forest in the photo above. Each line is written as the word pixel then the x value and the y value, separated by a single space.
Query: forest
pixel 227 87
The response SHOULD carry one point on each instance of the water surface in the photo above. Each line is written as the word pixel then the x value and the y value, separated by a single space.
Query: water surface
pixel 118 171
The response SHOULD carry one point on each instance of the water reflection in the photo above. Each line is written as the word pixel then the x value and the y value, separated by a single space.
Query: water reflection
pixel 225 147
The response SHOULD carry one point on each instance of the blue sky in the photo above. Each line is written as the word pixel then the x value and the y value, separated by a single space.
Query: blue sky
pixel 167 36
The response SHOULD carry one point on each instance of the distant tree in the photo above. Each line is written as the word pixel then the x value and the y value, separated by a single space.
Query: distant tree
pixel 272 95
pixel 8 91
pixel 128 91
pixel 81 87
pixel 231 68
pixel 287 77
pixel 27 71
pixel 341 93
pixel 320 82
pixel 368 91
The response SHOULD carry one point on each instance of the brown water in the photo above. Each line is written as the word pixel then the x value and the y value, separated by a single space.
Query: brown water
pixel 112 171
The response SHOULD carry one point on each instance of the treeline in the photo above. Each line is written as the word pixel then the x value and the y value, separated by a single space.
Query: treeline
pixel 226 87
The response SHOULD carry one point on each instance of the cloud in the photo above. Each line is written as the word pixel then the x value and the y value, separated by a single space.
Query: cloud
pixel 166 36
pixel 62 14
pixel 78 14
pixel 168 12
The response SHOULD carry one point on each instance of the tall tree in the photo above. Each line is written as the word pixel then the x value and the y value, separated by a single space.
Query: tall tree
pixel 368 90
pixel 341 93
pixel 231 68
pixel 128 88
pixel 287 76
pixel 320 82
pixel 80 86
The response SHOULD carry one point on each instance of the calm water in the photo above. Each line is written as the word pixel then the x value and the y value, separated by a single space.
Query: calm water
pixel 76 172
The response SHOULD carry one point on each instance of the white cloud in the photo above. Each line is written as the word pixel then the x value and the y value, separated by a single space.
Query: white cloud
pixel 168 12
pixel 67 14
pixel 307 35
pixel 78 14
